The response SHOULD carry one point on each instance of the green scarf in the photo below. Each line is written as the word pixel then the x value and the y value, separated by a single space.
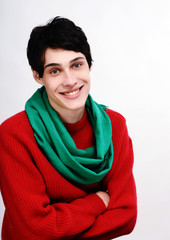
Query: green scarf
pixel 83 166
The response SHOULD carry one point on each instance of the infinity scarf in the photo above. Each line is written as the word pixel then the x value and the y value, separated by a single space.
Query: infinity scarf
pixel 83 166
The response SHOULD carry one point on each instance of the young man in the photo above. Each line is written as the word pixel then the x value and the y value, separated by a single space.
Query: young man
pixel 66 161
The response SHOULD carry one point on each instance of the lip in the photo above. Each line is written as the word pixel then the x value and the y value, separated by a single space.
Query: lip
pixel 72 96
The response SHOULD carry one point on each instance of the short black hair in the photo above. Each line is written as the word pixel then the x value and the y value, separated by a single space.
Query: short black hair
pixel 57 33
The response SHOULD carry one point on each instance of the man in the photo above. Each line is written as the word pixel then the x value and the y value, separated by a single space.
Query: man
pixel 66 161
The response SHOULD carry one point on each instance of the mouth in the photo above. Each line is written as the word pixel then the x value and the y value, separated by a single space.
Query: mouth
pixel 72 93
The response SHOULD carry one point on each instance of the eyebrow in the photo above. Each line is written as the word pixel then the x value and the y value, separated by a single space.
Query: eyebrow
pixel 58 64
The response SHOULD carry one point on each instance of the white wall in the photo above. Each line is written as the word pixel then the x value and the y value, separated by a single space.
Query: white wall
pixel 130 43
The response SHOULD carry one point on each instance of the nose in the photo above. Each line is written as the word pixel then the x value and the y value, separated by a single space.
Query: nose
pixel 69 79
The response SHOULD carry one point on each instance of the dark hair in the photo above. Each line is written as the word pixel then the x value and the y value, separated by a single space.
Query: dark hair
pixel 57 33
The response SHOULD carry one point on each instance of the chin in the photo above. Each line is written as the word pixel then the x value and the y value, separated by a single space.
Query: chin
pixel 76 107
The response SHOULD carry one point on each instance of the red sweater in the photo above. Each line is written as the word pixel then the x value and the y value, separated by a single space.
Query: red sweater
pixel 42 205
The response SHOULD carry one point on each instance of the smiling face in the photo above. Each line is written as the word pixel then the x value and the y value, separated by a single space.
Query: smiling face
pixel 66 78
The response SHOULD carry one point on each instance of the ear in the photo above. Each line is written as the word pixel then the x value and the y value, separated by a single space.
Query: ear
pixel 91 67
pixel 36 77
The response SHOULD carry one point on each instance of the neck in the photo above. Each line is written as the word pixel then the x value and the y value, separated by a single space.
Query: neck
pixel 72 116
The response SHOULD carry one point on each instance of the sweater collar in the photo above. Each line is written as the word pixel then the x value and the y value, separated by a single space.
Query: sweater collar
pixel 72 127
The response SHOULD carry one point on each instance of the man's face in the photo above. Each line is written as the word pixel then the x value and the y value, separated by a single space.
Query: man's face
pixel 66 79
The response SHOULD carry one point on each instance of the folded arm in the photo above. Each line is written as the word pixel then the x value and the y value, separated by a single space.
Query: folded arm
pixel 120 216
pixel 28 207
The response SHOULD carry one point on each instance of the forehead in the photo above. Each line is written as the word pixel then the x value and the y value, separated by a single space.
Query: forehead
pixel 61 56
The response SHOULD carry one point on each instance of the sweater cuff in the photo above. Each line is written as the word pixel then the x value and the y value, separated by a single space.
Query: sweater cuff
pixel 96 203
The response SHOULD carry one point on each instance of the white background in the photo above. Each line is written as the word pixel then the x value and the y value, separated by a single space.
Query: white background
pixel 130 42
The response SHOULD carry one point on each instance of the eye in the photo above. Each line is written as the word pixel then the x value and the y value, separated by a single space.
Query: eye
pixel 77 65
pixel 54 71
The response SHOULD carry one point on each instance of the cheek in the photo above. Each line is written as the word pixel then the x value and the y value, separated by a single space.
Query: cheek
pixel 83 75
pixel 51 85
pixel 86 78
pixel 89 81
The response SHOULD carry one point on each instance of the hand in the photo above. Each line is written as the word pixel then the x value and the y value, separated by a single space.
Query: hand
pixel 104 196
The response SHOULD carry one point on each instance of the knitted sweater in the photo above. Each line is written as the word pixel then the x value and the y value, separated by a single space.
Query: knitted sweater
pixel 42 205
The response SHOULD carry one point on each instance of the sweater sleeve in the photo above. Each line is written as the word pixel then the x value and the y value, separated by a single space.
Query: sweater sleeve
pixel 120 216
pixel 28 208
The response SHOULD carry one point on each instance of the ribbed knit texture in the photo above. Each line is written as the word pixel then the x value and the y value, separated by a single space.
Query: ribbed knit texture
pixel 42 205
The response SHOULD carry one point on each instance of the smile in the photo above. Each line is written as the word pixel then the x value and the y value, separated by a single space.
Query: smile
pixel 73 92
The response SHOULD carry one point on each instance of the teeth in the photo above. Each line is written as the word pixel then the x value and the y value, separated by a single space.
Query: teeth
pixel 72 93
